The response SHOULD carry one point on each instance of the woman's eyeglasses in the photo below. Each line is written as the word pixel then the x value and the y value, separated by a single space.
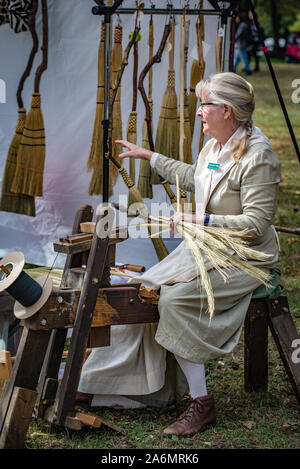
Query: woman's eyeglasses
pixel 206 104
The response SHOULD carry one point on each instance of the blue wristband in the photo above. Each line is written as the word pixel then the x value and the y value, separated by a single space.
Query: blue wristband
pixel 206 219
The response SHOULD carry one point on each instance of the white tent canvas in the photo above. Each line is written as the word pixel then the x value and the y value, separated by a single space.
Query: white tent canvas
pixel 68 90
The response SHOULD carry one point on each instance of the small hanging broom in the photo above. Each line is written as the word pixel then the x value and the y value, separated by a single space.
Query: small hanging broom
pixel 197 72
pixel 116 120
pixel 144 185
pixel 96 151
pixel 28 178
pixel 12 202
pixel 185 138
pixel 167 132
pixel 132 122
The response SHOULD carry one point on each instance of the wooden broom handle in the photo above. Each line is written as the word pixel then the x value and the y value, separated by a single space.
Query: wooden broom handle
pixel 135 73
pixel 172 42
pixel 151 42
pixel 35 46
pixel 154 59
pixel 44 48
pixel 122 67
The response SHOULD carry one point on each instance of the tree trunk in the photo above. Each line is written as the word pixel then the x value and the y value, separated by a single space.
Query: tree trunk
pixel 275 24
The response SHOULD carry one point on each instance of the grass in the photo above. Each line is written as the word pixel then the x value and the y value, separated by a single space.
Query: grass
pixel 268 420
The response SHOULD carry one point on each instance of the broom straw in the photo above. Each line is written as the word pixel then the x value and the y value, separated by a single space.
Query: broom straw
pixel 11 202
pixel 95 160
pixel 167 136
pixel 144 184
pixel 28 178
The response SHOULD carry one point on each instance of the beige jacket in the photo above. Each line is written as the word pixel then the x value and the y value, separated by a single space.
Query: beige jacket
pixel 246 196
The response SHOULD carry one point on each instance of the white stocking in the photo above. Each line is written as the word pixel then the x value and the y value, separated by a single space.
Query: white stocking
pixel 195 375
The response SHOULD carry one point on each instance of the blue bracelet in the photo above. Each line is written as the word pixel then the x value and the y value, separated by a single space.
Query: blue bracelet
pixel 206 219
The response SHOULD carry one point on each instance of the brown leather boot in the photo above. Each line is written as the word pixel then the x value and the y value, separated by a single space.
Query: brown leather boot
pixel 199 414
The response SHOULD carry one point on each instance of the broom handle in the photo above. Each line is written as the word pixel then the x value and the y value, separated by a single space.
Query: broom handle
pixel 151 42
pixel 44 48
pixel 154 59
pixel 35 46
pixel 122 67
pixel 172 42
pixel 135 71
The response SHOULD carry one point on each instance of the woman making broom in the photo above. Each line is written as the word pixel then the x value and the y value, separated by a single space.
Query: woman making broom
pixel 235 181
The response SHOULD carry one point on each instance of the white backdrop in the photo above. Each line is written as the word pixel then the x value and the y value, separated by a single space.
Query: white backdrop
pixel 68 91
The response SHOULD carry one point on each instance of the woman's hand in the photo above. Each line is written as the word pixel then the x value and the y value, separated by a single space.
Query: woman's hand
pixel 134 151
pixel 174 219
pixel 187 217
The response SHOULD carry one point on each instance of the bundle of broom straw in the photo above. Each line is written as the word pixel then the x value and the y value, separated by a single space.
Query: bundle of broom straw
pixel 95 160
pixel 167 132
pixel 10 201
pixel 144 183
pixel 215 244
pixel 28 178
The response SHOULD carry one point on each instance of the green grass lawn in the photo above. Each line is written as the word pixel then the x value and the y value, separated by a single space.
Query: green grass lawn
pixel 268 420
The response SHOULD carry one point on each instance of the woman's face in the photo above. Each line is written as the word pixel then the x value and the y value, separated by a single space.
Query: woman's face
pixel 214 117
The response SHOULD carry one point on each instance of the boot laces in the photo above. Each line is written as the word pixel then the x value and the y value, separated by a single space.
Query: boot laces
pixel 193 406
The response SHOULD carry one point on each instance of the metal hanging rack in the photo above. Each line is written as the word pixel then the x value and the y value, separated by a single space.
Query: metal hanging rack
pixel 107 12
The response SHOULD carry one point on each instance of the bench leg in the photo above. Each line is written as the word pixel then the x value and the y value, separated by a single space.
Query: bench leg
pixel 256 348
pixel 285 336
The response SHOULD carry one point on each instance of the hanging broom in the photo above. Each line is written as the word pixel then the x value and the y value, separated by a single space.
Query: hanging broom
pixel 185 139
pixel 132 121
pixel 95 160
pixel 167 135
pixel 197 71
pixel 28 178
pixel 12 202
pixel 116 120
pixel 144 185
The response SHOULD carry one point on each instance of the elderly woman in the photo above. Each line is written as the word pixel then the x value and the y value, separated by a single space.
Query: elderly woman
pixel 235 181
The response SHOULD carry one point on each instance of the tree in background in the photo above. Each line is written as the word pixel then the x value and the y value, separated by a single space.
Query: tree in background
pixel 275 16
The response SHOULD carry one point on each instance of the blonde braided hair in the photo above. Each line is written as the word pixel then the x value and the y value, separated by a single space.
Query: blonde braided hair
pixel 233 90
